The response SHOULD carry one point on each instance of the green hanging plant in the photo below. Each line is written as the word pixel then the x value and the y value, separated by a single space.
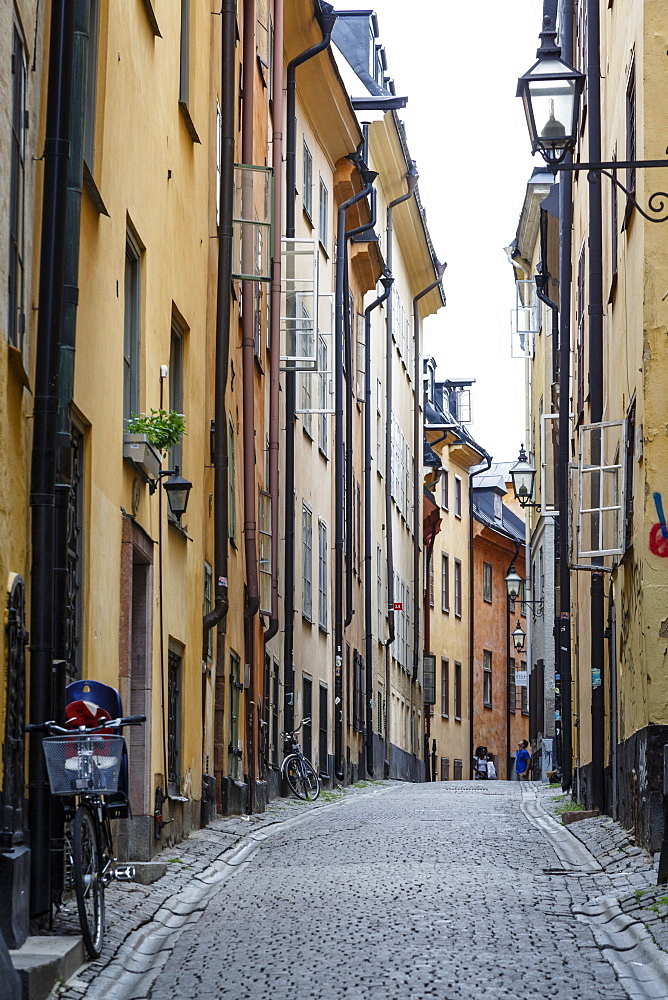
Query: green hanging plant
pixel 162 429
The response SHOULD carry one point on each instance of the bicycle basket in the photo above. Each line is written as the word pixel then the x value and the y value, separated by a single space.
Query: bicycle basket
pixel 81 763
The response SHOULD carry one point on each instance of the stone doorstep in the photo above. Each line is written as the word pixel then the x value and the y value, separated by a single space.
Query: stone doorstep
pixel 148 872
pixel 577 814
pixel 42 962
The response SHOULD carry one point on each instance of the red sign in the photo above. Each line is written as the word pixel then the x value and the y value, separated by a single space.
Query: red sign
pixel 398 606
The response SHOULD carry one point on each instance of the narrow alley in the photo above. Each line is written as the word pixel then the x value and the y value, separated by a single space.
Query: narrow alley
pixel 455 890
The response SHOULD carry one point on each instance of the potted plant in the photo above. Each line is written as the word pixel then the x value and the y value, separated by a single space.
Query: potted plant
pixel 149 436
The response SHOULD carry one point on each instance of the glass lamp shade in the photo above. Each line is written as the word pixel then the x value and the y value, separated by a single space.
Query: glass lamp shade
pixel 551 92
pixel 518 636
pixel 513 584
pixel 523 476
pixel 178 490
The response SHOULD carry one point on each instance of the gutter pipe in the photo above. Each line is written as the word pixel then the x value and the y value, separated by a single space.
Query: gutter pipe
pixel 368 176
pixel 418 434
pixel 216 617
pixel 565 758
pixel 45 413
pixel 508 613
pixel 487 462
pixel 386 281
pixel 327 20
pixel 275 312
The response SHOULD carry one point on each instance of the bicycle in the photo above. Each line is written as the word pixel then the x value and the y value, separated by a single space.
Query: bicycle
pixel 299 773
pixel 83 765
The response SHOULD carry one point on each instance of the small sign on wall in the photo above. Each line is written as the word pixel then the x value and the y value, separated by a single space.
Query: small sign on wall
pixel 521 678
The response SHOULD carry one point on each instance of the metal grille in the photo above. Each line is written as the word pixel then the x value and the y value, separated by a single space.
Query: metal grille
pixel 13 747
pixel 173 716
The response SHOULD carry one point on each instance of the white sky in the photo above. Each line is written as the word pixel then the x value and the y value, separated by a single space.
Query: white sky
pixel 458 63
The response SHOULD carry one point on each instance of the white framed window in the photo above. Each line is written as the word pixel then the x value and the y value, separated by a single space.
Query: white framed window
pixel 549 423
pixel 323 387
pixel 458 496
pixel 361 357
pixel 307 562
pixel 458 588
pixel 445 582
pixel 445 490
pixel 323 215
pixel 487 582
pixel 322 575
pixel 379 590
pixel 487 678
pixel 307 181
pixel 600 520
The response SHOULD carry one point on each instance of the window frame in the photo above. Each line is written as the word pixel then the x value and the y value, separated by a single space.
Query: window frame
pixel 487 690
pixel 307 180
pixel 132 327
pixel 487 578
pixel 307 562
pixel 17 184
pixel 445 687
pixel 322 575
pixel 458 497
pixel 445 583
pixel 458 588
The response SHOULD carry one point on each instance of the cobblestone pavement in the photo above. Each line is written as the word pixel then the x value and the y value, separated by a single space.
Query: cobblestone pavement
pixel 412 891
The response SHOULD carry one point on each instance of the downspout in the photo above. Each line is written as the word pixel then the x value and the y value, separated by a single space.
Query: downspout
pixel 596 396
pixel 327 20
pixel 45 412
pixel 216 617
pixel 418 434
pixel 386 281
pixel 275 312
pixel 339 462
pixel 510 569
pixel 476 472
pixel 350 395
pixel 565 701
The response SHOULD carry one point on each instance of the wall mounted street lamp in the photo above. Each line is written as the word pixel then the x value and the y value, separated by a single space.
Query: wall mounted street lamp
pixel 523 476
pixel 177 489
pixel 551 92
pixel 518 636
pixel 514 588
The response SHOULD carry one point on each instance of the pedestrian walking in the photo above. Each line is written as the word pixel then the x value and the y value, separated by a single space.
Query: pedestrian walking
pixel 491 768
pixel 522 762
pixel 480 764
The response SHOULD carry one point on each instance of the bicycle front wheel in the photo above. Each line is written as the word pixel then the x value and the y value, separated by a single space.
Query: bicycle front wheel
pixel 301 777
pixel 311 782
pixel 88 880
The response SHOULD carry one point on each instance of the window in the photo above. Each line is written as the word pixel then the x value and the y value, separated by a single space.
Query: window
pixel 322 575
pixel 458 497
pixel 264 549
pixel 307 193
pixel 359 720
pixel 174 666
pixel 91 85
pixel 323 756
pixel 307 714
pixel 16 325
pixel 379 590
pixel 629 477
pixel 458 588
pixel 631 145
pixel 131 329
pixel 487 582
pixel 361 357
pixel 176 388
pixel 275 695
pixel 511 685
pixel 307 562
pixel 487 678
pixel 525 691
pixel 445 490
pixel 457 691
pixel 445 688
pixel 323 384
pixel 580 322
pixel 431 582
pixel 601 483
pixel 233 748
pixel 323 215
pixel 445 582
pixel 305 403
pixel 380 715
pixel 232 486
pixel 207 607
pixel 380 429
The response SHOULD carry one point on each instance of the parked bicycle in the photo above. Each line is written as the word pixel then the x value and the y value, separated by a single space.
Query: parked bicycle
pixel 299 773
pixel 83 764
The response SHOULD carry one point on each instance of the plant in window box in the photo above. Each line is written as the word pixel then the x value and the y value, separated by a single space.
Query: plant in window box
pixel 149 436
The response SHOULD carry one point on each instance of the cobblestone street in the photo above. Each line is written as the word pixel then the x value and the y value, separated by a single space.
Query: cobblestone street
pixel 404 891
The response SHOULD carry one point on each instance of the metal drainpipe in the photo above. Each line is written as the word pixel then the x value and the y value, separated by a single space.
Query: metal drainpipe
pixel 358 230
pixel 339 464
pixel 508 651
pixel 597 611
pixel 565 275
pixel 476 472
pixel 216 617
pixel 252 603
pixel 386 281
pixel 275 312
pixel 327 20
pixel 45 412
pixel 418 434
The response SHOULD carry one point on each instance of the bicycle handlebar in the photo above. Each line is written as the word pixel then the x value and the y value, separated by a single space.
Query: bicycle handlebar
pixel 53 727
pixel 294 732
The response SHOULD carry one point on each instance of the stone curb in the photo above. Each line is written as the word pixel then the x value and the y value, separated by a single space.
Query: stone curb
pixel 641 965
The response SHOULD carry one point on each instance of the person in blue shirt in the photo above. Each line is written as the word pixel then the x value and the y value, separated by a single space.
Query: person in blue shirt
pixel 522 762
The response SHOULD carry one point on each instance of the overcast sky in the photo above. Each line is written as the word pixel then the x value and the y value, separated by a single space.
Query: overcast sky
pixel 458 63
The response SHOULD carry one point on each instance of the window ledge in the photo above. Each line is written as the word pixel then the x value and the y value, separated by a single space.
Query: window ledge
pixel 150 14
pixel 192 131
pixel 178 527
pixel 16 365
pixel 93 191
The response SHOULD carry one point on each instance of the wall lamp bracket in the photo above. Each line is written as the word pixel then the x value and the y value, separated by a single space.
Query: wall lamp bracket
pixel 657 202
